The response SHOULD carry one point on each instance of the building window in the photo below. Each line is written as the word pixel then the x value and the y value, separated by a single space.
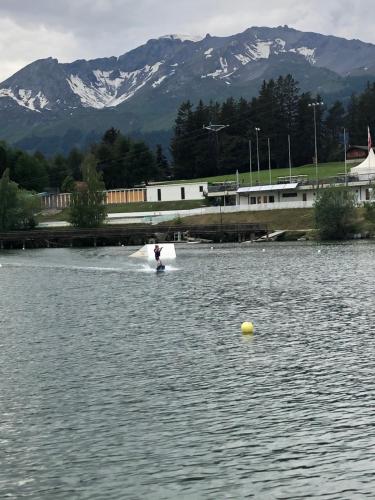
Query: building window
pixel 289 195
pixel 159 194
pixel 201 189
pixel 304 196
pixel 264 199
pixel 182 193
pixel 271 199
pixel 253 200
pixel 367 194
pixel 259 199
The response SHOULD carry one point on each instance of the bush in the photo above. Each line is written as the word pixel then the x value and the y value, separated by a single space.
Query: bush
pixel 87 207
pixel 334 212
pixel 17 206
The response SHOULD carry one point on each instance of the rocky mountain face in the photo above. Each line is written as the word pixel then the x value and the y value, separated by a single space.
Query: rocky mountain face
pixel 52 106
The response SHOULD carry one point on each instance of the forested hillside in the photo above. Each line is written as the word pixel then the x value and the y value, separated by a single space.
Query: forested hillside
pixel 279 111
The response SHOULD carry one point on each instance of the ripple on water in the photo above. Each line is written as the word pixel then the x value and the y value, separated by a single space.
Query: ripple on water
pixel 117 383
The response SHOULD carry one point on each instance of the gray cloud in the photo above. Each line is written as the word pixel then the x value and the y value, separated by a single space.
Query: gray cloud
pixel 74 29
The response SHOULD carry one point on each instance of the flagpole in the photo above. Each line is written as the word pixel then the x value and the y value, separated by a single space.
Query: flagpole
pixel 269 160
pixel 257 130
pixel 369 145
pixel 290 161
pixel 346 170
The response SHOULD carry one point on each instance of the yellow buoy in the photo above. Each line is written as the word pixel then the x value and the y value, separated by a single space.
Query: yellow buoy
pixel 247 328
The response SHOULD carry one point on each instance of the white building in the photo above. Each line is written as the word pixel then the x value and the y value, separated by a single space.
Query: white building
pixel 176 192
pixel 293 195
pixel 153 192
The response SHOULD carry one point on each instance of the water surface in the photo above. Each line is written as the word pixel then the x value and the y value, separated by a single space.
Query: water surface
pixel 117 383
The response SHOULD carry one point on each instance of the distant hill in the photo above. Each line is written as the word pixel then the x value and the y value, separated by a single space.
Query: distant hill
pixel 52 107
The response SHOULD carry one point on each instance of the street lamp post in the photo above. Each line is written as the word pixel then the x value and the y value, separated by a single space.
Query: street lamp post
pixel 314 105
pixel 256 133
pixel 250 169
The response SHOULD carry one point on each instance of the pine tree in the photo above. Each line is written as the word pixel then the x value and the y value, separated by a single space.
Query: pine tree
pixel 162 164
pixel 182 143
pixel 58 171
pixel 74 162
pixel 333 125
pixel 110 136
pixel 140 164
pixel 302 143
pixel 29 172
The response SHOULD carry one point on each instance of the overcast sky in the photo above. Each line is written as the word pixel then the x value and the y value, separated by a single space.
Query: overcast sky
pixel 85 29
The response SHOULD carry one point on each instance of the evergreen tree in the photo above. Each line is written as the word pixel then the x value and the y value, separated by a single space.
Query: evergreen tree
pixel 29 172
pixel 115 175
pixel 87 207
pixel 162 165
pixel 333 125
pixel 354 121
pixel 74 162
pixel 58 171
pixel 68 184
pixel 366 108
pixel 4 157
pixel 140 164
pixel 110 136
pixel 303 141
pixel 183 142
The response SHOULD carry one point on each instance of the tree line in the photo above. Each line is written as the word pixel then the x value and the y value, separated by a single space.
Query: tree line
pixel 123 162
pixel 281 114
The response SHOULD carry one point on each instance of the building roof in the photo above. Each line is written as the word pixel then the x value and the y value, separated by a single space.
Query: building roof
pixel 270 187
pixel 362 148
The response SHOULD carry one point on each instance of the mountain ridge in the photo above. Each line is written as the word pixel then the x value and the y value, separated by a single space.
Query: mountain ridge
pixel 141 89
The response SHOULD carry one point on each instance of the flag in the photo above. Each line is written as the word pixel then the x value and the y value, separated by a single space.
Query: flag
pixel 369 139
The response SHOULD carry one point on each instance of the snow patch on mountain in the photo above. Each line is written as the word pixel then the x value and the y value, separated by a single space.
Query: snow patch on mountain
pixel 25 98
pixel 208 53
pixel 280 45
pixel 182 38
pixel 109 92
pixel 159 81
pixel 307 52
pixel 104 79
pixel 244 59
pixel 221 72
pixel 261 50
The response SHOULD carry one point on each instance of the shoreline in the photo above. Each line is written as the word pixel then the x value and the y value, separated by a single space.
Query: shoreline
pixel 130 235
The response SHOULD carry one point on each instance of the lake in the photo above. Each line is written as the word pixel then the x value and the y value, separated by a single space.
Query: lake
pixel 118 383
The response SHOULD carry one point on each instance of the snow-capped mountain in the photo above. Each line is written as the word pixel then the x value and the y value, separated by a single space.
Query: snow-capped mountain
pixel 148 83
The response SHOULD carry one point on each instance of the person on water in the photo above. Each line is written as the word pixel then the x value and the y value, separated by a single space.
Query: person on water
pixel 157 252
